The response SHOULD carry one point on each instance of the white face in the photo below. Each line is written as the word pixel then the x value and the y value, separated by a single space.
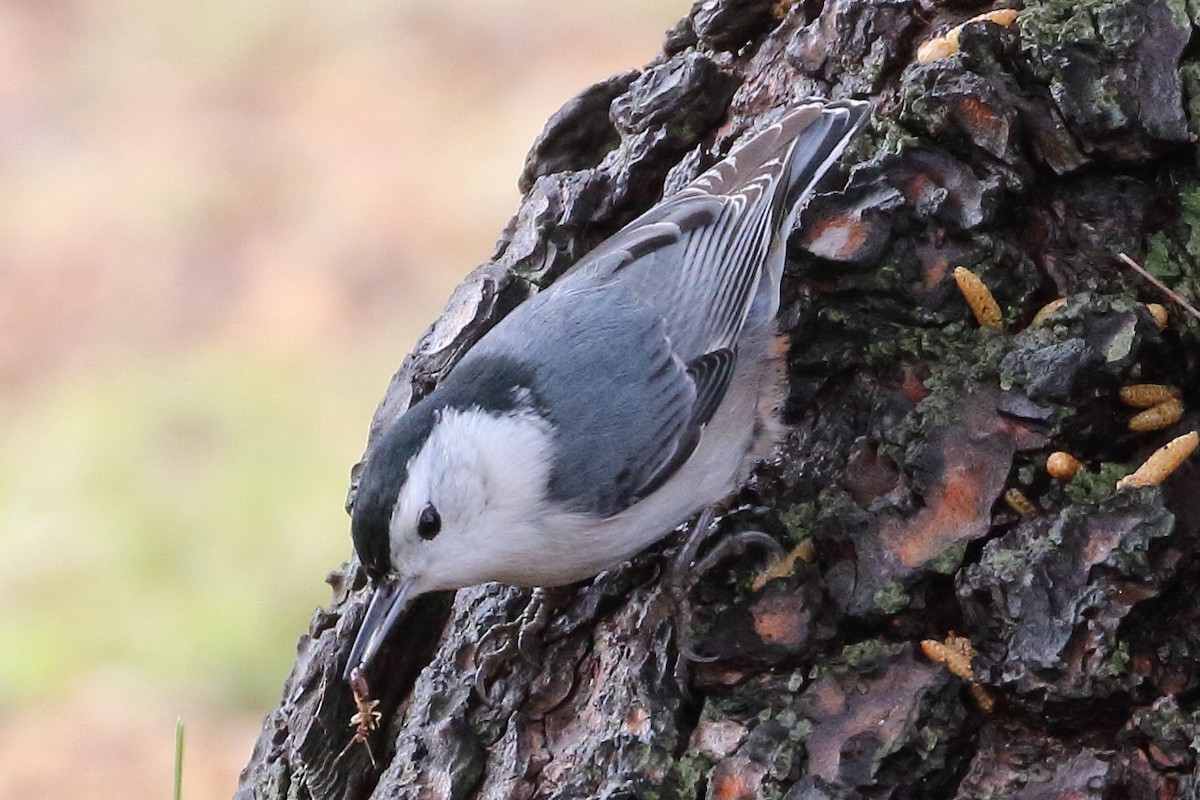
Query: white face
pixel 483 478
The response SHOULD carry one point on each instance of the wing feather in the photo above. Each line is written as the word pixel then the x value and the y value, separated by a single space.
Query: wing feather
pixel 667 298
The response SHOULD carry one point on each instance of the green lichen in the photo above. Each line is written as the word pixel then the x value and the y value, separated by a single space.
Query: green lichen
pixel 967 359
pixel 1057 22
pixel 1106 104
pixel 1189 75
pixel 891 599
pixel 1189 203
pixel 688 772
pixel 950 559
pixel 882 137
pixel 1181 14
pixel 798 520
pixel 800 732
pixel 1090 487
pixel 1013 564
pixel 864 655
pixel 1162 260
pixel 1166 722
pixel 1117 662
pixel 1120 346
pixel 1173 255
pixel 852 658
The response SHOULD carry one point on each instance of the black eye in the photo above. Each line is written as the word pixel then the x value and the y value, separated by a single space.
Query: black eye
pixel 429 523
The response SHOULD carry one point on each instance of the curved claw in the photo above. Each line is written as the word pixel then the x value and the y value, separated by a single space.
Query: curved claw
pixel 483 675
pixel 519 637
pixel 682 575
pixel 692 656
pixel 677 586
pixel 531 626
pixel 482 654
pixel 738 544
pixel 682 561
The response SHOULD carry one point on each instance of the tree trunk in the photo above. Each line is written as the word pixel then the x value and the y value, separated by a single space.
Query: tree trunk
pixel 1031 153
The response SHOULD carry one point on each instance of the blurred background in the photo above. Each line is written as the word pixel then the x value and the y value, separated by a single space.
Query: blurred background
pixel 222 225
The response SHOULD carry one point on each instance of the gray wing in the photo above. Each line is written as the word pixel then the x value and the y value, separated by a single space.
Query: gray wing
pixel 626 410
pixel 634 348
pixel 704 256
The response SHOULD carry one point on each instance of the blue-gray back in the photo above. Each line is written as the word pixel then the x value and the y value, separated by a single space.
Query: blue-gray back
pixel 632 350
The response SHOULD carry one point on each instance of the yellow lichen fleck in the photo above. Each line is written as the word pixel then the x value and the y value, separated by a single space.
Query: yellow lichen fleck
pixel 1158 417
pixel 979 298
pixel 1062 465
pixel 784 566
pixel 1159 312
pixel 1162 462
pixel 946 45
pixel 1148 395
pixel 1045 311
pixel 1019 503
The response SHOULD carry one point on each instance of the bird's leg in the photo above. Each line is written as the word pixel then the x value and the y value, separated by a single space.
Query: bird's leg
pixel 519 638
pixel 679 585
pixel 684 572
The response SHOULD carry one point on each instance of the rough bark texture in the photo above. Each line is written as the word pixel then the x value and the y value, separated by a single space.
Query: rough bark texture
pixel 1031 156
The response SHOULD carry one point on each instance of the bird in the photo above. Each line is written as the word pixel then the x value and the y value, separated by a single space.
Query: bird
pixel 610 407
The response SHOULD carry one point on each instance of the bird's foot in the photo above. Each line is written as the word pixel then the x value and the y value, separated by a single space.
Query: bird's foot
pixel 685 571
pixel 737 545
pixel 518 637
pixel 679 585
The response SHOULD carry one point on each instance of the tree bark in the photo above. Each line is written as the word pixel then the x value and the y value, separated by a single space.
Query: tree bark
pixel 1032 154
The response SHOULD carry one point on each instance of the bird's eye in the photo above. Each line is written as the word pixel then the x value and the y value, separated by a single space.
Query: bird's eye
pixel 429 523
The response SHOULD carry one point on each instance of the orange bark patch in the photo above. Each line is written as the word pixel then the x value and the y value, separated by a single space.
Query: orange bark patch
pixel 830 699
pixel 975 456
pixel 952 506
pixel 919 185
pixel 731 786
pixel 781 620
pixel 935 272
pixel 837 237
pixel 637 721
pixel 982 122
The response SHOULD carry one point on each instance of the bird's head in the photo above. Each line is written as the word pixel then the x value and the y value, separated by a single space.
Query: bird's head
pixel 443 494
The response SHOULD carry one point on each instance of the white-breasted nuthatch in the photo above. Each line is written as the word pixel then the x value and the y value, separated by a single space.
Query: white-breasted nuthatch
pixel 608 408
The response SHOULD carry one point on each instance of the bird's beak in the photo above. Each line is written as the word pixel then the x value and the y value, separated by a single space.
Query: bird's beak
pixel 388 602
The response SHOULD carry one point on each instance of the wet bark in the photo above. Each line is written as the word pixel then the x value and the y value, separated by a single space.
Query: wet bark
pixel 1032 155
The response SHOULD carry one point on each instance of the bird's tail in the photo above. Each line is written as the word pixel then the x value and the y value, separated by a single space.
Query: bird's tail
pixel 816 147
pixel 792 154
pixel 780 167
pixel 722 236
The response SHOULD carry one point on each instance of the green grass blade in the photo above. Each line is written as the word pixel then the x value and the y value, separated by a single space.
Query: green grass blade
pixel 178 793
